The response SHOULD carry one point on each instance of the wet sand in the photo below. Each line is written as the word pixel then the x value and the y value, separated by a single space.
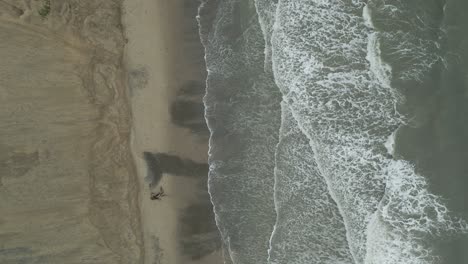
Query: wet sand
pixel 100 105
pixel 166 75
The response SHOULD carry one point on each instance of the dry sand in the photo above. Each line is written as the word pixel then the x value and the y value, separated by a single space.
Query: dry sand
pixel 166 76
pixel 85 118
pixel 67 179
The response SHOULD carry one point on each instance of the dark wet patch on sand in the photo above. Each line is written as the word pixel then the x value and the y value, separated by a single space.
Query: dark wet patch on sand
pixel 198 233
pixel 137 79
pixel 156 247
pixel 154 172
pixel 16 163
pixel 159 163
pixel 188 110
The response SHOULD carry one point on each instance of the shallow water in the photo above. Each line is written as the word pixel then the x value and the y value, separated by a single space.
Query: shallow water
pixel 243 117
pixel 367 162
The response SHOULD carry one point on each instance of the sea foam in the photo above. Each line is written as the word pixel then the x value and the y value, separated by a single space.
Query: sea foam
pixel 321 187
pixel 309 227
pixel 328 64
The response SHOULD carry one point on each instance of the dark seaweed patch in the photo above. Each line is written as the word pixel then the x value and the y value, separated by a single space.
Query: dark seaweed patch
pixel 45 9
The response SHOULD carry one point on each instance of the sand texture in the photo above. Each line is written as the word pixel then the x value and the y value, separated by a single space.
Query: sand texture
pixel 68 191
pixel 166 79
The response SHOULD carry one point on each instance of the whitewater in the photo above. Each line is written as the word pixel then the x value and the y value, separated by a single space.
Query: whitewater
pixel 306 102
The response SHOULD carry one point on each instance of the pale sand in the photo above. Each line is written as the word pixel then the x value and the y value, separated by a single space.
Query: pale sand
pixel 67 179
pixel 68 185
pixel 160 59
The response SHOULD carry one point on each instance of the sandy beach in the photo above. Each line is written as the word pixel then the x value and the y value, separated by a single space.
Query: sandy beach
pixel 68 191
pixel 166 74
pixel 101 105
pixel 338 132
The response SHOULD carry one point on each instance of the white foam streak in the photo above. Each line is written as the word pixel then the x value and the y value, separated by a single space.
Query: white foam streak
pixel 342 99
pixel 326 57
pixel 390 144
pixel 367 16
pixel 408 217
pixel 309 227
pixel 381 70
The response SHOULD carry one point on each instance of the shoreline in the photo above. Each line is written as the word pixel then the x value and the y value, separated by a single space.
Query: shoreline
pixel 168 140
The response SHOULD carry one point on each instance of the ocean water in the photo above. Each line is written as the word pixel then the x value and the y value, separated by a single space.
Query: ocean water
pixel 338 129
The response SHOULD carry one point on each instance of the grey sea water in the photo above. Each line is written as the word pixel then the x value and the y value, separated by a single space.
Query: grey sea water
pixel 338 129
pixel 244 119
